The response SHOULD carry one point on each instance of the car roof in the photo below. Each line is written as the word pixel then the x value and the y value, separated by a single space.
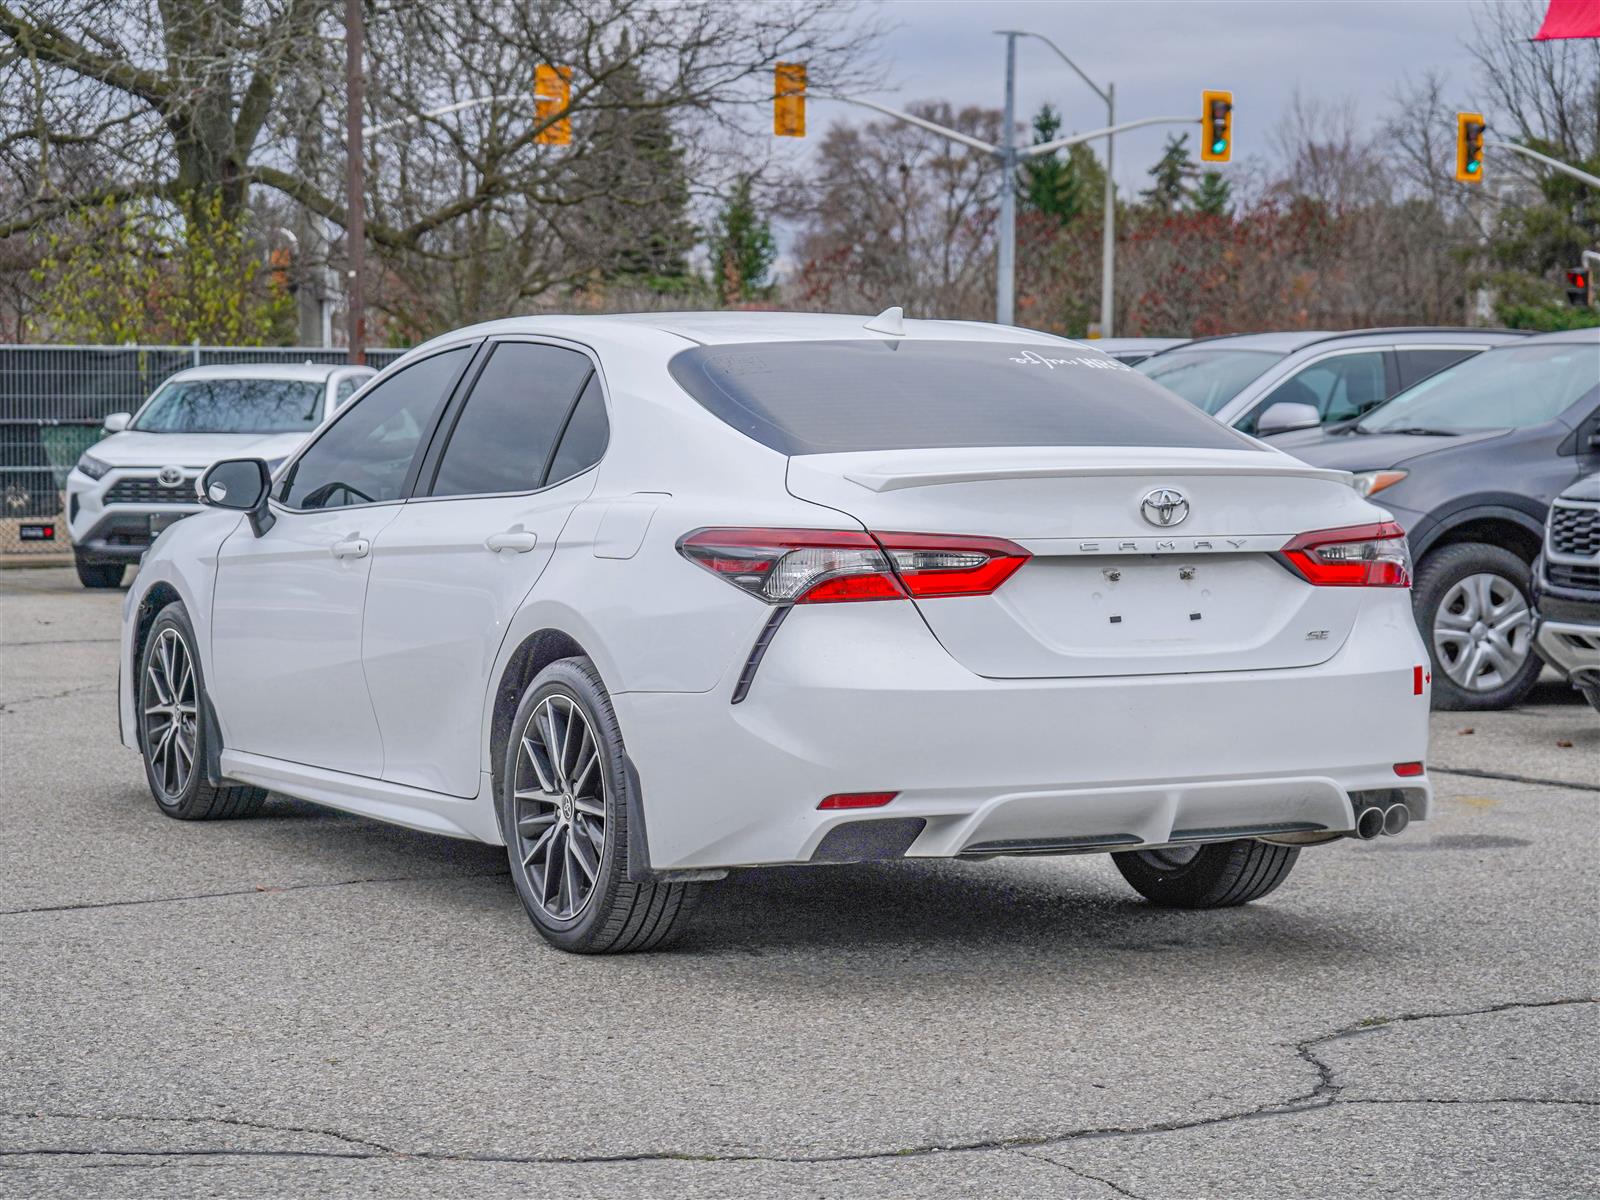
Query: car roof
pixel 1592 334
pixel 314 372
pixel 1113 344
pixel 1289 341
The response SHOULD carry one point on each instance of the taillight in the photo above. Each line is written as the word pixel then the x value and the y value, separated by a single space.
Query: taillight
pixel 1356 556
pixel 819 566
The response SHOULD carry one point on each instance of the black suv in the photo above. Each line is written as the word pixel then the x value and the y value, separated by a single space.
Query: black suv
pixel 1468 462
pixel 1566 588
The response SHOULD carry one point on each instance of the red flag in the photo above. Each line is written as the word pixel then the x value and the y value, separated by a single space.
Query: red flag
pixel 1570 19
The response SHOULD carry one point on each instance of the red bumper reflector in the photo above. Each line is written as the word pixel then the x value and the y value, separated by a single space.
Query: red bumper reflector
pixel 859 800
pixel 1411 768
pixel 1418 678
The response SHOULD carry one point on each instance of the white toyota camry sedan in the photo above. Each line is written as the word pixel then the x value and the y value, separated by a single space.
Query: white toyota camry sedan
pixel 646 598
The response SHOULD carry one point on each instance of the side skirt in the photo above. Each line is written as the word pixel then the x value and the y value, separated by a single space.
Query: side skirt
pixel 414 808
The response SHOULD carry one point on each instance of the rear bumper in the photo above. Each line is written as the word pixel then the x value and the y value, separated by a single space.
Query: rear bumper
pixel 857 698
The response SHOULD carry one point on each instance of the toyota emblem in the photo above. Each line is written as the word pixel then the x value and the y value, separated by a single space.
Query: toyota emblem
pixel 1164 507
pixel 170 477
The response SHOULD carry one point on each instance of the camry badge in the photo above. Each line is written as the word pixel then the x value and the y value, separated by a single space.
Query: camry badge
pixel 1164 507
pixel 170 477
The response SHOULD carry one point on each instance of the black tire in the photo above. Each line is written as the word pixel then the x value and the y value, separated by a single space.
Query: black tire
pixel 1592 695
pixel 182 795
pixel 1219 875
pixel 1438 573
pixel 615 915
pixel 97 575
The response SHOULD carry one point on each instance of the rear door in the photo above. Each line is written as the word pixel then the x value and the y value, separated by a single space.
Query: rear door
pixel 452 569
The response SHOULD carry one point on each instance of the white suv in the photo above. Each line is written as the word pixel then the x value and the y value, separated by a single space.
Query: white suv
pixel 130 486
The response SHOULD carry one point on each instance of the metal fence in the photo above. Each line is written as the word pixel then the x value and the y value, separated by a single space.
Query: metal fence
pixel 53 400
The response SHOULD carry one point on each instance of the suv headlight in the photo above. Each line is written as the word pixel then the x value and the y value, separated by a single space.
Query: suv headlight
pixel 1369 483
pixel 92 466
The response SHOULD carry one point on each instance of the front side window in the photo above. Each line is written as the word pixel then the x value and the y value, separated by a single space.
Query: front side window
pixel 365 456
pixel 824 397
pixel 508 427
pixel 233 406
pixel 1339 388
pixel 1418 364
pixel 1510 388
pixel 1208 378
pixel 346 388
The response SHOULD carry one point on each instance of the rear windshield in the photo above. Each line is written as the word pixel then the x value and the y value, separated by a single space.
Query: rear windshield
pixel 826 397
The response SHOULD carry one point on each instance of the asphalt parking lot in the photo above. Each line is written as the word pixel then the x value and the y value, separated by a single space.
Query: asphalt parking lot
pixel 313 1003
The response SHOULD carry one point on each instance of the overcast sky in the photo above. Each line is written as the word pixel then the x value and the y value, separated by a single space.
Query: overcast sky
pixel 1161 53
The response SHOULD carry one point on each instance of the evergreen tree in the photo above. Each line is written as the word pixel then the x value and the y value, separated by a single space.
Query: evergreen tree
pixel 1050 184
pixel 1171 175
pixel 1214 196
pixel 742 246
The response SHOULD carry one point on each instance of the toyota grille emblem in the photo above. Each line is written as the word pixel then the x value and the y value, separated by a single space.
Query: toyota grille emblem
pixel 170 477
pixel 1164 507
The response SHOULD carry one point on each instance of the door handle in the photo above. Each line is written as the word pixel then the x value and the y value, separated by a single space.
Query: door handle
pixel 352 548
pixel 512 539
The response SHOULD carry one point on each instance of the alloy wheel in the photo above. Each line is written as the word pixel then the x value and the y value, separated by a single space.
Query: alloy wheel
pixel 1483 632
pixel 171 714
pixel 560 807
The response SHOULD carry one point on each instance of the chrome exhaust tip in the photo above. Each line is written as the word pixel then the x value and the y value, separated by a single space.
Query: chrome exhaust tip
pixel 1395 819
pixel 1369 823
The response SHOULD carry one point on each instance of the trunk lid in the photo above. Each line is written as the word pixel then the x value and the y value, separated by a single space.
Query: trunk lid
pixel 1107 591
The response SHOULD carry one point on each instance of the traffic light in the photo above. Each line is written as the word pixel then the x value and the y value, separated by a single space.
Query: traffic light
pixel 1578 283
pixel 1216 126
pixel 553 88
pixel 1469 147
pixel 789 100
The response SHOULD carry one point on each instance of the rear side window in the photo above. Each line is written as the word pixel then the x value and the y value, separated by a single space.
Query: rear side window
pixel 584 440
pixel 826 397
pixel 1419 364
pixel 503 439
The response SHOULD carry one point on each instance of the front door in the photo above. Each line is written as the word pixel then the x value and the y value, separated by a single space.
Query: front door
pixel 286 672
pixel 452 570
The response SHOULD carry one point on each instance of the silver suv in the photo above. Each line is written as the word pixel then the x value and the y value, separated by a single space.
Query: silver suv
pixel 1265 383
pixel 131 485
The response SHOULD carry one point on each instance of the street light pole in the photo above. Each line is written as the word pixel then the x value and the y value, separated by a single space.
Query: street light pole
pixel 1006 271
pixel 355 186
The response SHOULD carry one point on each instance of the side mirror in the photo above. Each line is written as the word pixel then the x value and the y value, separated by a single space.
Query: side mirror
pixel 242 484
pixel 1286 415
pixel 117 422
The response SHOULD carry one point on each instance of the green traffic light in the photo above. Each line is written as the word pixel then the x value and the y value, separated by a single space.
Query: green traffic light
pixel 1472 168
pixel 1219 146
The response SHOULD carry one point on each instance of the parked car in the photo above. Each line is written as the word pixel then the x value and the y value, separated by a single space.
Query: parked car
pixel 1566 588
pixel 1133 349
pixel 1264 383
pixel 647 598
pixel 131 485
pixel 1467 462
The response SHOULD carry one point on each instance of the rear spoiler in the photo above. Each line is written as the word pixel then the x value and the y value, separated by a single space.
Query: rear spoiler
pixel 888 479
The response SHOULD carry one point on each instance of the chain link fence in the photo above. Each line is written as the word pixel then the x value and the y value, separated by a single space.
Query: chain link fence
pixel 53 400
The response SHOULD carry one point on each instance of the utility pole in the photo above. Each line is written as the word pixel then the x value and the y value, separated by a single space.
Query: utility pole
pixel 1006 272
pixel 355 186
pixel 1108 226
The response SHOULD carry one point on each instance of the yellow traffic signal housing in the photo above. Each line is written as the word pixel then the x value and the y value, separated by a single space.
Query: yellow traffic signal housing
pixel 1216 126
pixel 789 100
pixel 1469 147
pixel 552 87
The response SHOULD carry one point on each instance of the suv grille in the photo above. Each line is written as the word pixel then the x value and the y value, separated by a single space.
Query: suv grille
pixel 1574 530
pixel 143 489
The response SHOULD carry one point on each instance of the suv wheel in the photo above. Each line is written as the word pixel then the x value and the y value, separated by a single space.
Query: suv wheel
pixel 1474 609
pixel 95 574
pixel 170 703
pixel 564 807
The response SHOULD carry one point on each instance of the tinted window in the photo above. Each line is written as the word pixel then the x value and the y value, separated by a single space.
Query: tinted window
pixel 503 437
pixel 1339 388
pixel 819 397
pixel 585 438
pixel 233 406
pixel 1208 379
pixel 1502 389
pixel 365 455
pixel 1419 364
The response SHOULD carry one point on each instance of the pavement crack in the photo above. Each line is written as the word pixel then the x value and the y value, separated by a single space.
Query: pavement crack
pixel 1072 1169
pixel 9 706
pixel 1322 1095
pixel 262 889
pixel 1508 777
